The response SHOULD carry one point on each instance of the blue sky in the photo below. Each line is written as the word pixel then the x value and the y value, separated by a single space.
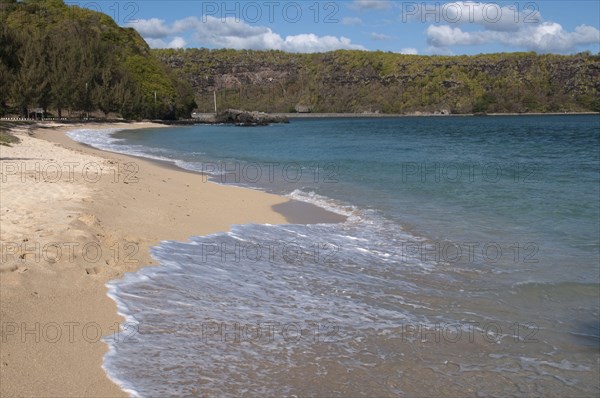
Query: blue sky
pixel 399 26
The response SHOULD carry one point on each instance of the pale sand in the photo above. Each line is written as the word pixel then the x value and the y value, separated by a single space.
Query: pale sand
pixel 54 300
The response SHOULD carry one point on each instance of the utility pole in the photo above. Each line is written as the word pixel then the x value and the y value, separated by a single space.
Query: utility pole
pixel 87 96
pixel 215 97
pixel 154 97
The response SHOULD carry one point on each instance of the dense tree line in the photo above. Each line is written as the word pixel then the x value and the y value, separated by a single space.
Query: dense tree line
pixel 72 61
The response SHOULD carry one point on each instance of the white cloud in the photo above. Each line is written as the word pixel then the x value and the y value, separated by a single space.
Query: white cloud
pixel 544 37
pixel 489 15
pixel 550 37
pixel 501 25
pixel 307 43
pixel 446 36
pixel 177 42
pixel 379 36
pixel 153 28
pixel 351 21
pixel 372 4
pixel 409 51
pixel 229 33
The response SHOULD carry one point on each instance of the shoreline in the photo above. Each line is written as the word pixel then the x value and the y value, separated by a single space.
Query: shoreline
pixel 295 212
pixel 124 212
pixel 423 114
pixel 169 123
pixel 300 116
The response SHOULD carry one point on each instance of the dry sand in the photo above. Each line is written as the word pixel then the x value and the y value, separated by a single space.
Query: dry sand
pixel 66 229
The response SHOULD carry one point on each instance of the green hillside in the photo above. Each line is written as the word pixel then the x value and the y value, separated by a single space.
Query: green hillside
pixel 70 61
pixel 360 81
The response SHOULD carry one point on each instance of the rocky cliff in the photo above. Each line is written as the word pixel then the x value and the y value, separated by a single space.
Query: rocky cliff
pixel 360 81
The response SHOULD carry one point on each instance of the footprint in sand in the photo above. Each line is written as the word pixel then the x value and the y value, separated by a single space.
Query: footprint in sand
pixel 93 270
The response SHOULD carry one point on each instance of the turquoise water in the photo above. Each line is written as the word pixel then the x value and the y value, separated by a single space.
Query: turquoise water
pixel 470 257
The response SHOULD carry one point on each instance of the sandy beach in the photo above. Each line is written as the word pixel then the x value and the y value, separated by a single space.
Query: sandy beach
pixel 72 218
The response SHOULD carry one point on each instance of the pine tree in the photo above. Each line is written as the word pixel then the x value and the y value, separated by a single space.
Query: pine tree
pixel 30 85
pixel 8 64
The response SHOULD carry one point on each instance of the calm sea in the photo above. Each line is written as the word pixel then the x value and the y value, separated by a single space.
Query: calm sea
pixel 468 265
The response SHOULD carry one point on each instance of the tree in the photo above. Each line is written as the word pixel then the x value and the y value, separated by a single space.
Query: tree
pixel 8 64
pixel 30 83
pixel 73 67
pixel 104 97
pixel 62 61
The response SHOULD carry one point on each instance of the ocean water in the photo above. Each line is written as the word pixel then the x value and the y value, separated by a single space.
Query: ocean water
pixel 469 263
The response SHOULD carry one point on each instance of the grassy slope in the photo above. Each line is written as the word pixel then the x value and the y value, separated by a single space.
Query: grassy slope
pixel 358 81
